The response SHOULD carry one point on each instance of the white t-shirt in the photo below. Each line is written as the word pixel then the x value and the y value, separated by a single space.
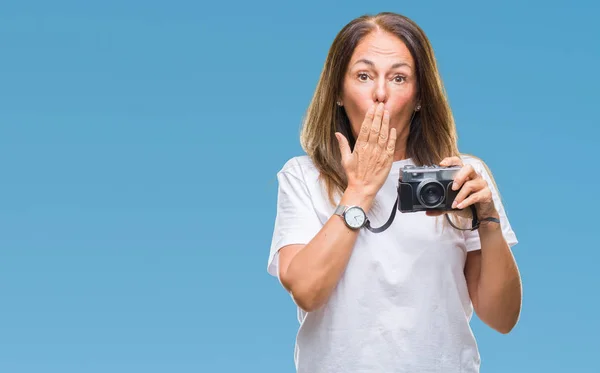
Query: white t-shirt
pixel 402 304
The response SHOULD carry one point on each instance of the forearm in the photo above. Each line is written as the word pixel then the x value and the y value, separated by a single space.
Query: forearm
pixel 316 269
pixel 499 286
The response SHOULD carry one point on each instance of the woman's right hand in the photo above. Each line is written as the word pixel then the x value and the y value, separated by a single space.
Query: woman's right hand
pixel 368 166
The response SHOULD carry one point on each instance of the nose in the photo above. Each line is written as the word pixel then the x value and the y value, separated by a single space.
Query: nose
pixel 380 93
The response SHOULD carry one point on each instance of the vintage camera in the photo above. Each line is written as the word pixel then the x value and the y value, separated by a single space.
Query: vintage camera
pixel 426 188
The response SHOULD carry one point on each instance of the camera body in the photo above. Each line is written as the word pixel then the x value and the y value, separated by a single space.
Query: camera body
pixel 422 188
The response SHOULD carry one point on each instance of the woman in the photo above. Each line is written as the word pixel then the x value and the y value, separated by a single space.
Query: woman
pixel 399 300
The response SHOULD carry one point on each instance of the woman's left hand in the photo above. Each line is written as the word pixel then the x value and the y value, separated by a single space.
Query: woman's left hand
pixel 475 190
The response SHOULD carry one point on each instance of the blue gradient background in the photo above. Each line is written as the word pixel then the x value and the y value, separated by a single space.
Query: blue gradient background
pixel 139 143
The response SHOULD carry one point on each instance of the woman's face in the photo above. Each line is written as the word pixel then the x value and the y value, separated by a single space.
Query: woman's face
pixel 381 70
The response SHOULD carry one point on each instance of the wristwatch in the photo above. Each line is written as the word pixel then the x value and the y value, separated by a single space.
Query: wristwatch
pixel 354 216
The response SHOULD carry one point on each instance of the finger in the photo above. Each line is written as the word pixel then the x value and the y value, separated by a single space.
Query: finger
pixel 344 146
pixel 465 173
pixel 363 135
pixel 471 186
pixel 451 161
pixel 482 196
pixel 391 144
pixel 376 125
pixel 384 132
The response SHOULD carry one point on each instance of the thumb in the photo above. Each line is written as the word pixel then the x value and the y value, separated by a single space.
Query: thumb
pixel 344 146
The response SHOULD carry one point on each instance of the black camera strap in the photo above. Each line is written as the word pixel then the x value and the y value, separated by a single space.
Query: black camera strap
pixel 387 223
pixel 475 223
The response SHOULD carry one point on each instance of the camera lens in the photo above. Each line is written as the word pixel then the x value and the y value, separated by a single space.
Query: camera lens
pixel 430 193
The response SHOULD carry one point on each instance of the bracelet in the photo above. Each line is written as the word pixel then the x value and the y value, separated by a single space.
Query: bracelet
pixel 489 219
pixel 476 221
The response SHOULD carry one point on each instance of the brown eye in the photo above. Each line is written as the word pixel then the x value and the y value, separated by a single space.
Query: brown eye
pixel 399 79
pixel 362 75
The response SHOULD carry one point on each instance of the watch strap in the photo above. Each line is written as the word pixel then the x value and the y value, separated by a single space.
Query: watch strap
pixel 339 210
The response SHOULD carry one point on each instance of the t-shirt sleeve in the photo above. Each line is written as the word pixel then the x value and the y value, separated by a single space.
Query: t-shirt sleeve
pixel 296 221
pixel 472 237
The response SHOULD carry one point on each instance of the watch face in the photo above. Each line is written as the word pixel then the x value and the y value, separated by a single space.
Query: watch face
pixel 355 217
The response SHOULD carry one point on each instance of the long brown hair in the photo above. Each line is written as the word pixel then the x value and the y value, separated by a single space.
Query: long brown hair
pixel 432 135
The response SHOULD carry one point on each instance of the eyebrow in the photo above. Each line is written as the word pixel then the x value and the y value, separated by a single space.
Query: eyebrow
pixel 370 63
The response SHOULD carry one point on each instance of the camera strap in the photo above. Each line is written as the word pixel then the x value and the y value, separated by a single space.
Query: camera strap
pixel 475 223
pixel 387 223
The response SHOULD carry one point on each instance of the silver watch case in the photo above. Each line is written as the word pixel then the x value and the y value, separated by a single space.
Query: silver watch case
pixel 354 216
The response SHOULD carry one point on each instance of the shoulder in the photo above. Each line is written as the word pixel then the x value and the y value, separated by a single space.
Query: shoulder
pixel 481 168
pixel 299 166
pixel 301 175
pixel 478 164
pixel 471 159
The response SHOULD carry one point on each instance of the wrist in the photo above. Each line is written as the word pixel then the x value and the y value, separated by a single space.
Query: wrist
pixel 357 197
pixel 487 224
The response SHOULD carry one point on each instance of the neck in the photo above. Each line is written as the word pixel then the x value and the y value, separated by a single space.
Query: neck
pixel 401 142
